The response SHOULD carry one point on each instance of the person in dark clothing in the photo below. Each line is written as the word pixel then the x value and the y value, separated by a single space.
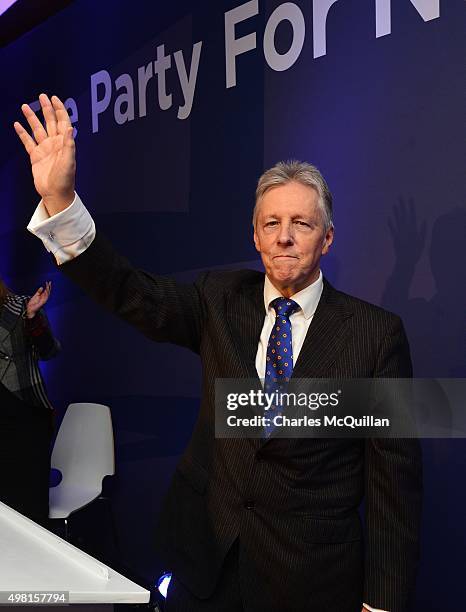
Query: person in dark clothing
pixel 25 411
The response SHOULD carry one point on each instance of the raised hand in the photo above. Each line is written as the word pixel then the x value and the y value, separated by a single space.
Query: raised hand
pixel 52 152
pixel 38 300
pixel 407 234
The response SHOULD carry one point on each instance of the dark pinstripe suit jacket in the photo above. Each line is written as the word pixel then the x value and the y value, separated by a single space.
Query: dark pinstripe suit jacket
pixel 293 503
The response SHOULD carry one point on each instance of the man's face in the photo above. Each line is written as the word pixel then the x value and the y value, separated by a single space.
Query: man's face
pixel 290 236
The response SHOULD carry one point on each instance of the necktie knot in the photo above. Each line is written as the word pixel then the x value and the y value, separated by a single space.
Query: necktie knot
pixel 284 307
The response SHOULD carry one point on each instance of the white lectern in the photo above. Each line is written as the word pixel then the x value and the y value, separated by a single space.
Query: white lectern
pixel 34 559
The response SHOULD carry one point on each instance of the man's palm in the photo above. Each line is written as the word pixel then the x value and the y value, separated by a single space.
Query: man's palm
pixel 52 152
pixel 49 167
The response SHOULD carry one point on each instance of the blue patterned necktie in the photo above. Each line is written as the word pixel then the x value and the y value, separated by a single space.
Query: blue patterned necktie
pixel 279 363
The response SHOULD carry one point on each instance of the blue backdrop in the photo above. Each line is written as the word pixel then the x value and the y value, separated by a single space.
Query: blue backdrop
pixel 167 164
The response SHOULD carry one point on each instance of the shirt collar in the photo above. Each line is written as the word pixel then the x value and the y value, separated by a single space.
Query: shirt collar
pixel 307 298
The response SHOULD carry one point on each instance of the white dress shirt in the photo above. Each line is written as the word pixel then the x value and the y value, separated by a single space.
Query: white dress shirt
pixel 300 320
pixel 68 233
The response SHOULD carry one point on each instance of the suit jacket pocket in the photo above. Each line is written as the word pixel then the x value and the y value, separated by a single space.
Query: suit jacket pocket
pixel 328 530
pixel 194 473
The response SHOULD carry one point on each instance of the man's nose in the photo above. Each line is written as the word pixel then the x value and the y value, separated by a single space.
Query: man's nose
pixel 285 235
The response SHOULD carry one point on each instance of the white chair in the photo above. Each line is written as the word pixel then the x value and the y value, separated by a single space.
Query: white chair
pixel 84 454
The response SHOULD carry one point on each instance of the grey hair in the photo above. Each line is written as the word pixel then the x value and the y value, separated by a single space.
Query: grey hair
pixel 301 172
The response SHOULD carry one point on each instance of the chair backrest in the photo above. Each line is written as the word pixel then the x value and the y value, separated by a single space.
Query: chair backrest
pixel 84 448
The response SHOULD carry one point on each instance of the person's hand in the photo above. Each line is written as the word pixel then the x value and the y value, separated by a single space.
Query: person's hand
pixel 52 153
pixel 38 300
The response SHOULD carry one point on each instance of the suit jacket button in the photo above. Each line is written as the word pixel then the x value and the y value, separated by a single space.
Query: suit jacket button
pixel 249 504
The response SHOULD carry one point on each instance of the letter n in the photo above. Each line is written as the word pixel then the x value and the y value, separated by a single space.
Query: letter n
pixel 427 9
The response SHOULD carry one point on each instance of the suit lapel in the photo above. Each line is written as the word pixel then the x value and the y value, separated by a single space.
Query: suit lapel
pixel 245 315
pixel 326 336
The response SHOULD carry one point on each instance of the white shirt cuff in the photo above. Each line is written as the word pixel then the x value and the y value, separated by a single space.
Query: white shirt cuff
pixel 66 234
pixel 373 609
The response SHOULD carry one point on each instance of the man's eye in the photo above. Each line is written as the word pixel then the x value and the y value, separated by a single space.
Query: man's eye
pixel 271 223
pixel 303 223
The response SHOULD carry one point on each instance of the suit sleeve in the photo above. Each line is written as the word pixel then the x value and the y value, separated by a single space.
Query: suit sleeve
pixel 393 496
pixel 160 308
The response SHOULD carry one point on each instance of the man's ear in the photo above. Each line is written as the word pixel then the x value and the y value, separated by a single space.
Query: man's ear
pixel 256 241
pixel 327 241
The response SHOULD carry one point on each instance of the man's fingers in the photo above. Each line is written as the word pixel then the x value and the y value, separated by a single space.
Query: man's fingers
pixel 36 126
pixel 63 119
pixel 68 151
pixel 49 114
pixel 25 138
pixel 68 140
